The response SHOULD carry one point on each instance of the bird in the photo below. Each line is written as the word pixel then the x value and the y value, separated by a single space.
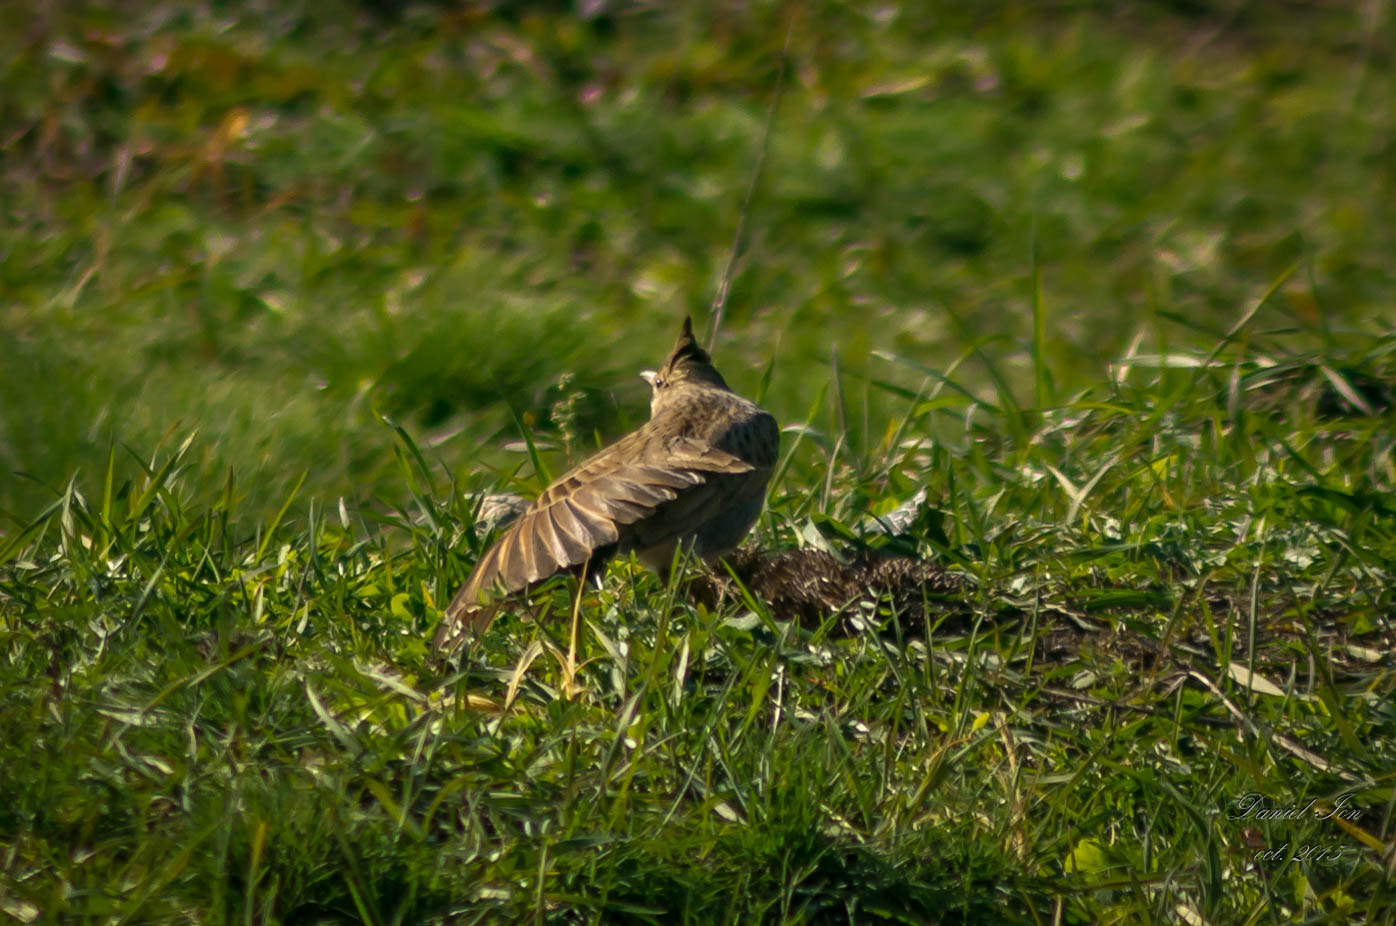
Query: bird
pixel 694 474
pixel 808 585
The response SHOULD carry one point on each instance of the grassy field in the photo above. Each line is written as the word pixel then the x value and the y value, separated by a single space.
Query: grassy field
pixel 283 288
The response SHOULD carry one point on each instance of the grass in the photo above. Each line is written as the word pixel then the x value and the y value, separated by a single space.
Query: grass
pixel 1180 604
pixel 1113 291
pixel 276 227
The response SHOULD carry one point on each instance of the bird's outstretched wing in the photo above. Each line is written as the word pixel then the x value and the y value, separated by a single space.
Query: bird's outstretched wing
pixel 592 508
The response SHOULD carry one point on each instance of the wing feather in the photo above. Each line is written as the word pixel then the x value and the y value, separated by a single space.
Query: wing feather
pixel 607 501
pixel 561 549
pixel 600 531
pixel 510 562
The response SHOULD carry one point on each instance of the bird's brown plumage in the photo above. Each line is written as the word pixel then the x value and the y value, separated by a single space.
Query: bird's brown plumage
pixel 696 473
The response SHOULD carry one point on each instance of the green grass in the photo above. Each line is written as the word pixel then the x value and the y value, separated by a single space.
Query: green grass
pixel 275 227
pixel 1114 291
pixel 1178 605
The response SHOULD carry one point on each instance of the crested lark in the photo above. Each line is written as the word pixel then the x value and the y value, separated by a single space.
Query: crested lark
pixel 695 473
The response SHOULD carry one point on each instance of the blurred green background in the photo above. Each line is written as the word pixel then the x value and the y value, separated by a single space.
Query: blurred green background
pixel 275 224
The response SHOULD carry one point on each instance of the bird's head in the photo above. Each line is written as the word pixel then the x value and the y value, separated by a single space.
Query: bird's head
pixel 687 365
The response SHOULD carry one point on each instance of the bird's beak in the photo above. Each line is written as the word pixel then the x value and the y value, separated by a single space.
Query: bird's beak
pixel 648 376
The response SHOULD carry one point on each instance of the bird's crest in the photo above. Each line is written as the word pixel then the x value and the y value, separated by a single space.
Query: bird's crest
pixel 688 361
